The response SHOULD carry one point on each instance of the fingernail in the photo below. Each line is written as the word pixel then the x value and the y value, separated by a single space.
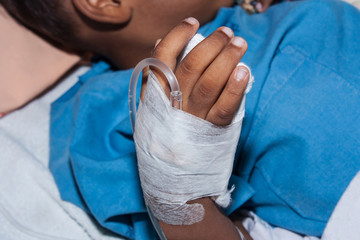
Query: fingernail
pixel 191 20
pixel 258 6
pixel 241 74
pixel 157 42
pixel 238 41
pixel 227 31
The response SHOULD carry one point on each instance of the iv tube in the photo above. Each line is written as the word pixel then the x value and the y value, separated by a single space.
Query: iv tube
pixel 175 101
pixel 175 94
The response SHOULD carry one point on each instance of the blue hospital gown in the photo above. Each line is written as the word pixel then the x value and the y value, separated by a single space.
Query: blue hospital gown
pixel 300 143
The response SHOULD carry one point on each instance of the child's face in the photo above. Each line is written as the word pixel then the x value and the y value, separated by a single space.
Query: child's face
pixel 154 18
pixel 124 31
pixel 149 20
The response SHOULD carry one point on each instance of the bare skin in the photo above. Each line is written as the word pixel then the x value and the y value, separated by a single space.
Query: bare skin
pixel 141 23
pixel 22 49
pixel 137 24
pixel 204 94
pixel 133 28
pixel 208 92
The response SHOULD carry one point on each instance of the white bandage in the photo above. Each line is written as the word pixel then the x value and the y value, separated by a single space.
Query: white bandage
pixel 182 157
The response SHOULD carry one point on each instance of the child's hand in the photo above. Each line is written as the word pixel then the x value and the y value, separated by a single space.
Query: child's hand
pixel 211 83
pixel 212 86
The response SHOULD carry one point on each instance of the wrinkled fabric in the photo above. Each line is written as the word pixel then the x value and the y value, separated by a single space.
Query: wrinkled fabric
pixel 92 152
pixel 30 204
pixel 298 149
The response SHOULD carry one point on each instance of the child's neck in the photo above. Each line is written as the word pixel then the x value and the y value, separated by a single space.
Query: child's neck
pixel 28 64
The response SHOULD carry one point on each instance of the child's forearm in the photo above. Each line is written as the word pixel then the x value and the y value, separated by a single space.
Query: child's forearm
pixel 215 225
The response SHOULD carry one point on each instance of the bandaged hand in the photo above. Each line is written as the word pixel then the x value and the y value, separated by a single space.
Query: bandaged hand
pixel 181 157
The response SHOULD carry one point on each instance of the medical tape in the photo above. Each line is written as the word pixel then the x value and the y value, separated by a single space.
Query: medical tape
pixel 182 157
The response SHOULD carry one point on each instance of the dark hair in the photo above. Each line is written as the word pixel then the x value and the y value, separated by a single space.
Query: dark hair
pixel 47 17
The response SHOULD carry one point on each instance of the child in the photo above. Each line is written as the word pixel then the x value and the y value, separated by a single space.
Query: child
pixel 291 59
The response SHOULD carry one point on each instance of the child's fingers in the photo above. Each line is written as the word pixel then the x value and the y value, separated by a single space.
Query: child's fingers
pixel 197 61
pixel 210 85
pixel 169 48
pixel 229 101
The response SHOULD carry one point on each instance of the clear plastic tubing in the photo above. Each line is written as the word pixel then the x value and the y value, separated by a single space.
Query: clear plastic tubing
pixel 175 101
pixel 175 94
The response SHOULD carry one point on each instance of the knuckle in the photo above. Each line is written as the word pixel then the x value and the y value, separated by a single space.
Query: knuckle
pixel 156 52
pixel 223 116
pixel 187 66
pixel 219 38
pixel 204 91
pixel 235 91
pixel 159 51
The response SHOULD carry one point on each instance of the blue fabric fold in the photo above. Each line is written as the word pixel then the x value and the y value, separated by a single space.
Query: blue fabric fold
pixel 97 171
pixel 298 149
